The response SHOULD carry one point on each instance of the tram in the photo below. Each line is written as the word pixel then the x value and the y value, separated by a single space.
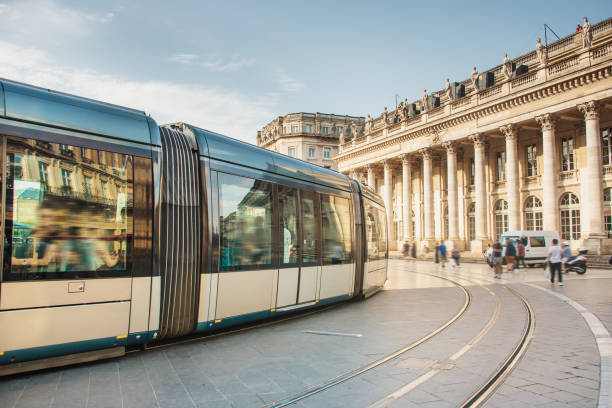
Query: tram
pixel 119 232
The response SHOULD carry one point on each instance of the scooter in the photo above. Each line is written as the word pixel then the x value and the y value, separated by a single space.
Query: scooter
pixel 576 264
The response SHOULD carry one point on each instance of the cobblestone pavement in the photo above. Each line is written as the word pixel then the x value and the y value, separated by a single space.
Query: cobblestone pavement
pixel 561 367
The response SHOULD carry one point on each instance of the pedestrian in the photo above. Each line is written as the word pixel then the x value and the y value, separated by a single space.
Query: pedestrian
pixel 442 252
pixel 455 255
pixel 555 256
pixel 436 254
pixel 489 255
pixel 567 254
pixel 413 251
pixel 510 255
pixel 405 249
pixel 520 253
pixel 497 260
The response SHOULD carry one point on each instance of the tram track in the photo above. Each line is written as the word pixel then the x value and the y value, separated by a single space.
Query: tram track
pixel 482 393
pixel 365 368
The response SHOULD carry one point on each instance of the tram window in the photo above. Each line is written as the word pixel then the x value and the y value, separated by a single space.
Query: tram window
pixel 246 223
pixel 60 221
pixel 336 223
pixel 287 198
pixel 309 228
pixel 375 233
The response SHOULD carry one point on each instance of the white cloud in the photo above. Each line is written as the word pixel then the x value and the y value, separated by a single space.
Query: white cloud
pixel 39 20
pixel 220 110
pixel 288 83
pixel 213 63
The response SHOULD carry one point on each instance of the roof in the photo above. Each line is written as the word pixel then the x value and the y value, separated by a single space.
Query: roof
pixel 217 146
pixel 43 106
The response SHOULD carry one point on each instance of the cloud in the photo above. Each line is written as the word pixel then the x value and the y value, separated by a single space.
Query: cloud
pixel 37 20
pixel 287 83
pixel 221 110
pixel 213 63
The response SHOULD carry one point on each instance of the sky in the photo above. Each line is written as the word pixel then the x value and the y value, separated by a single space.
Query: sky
pixel 233 66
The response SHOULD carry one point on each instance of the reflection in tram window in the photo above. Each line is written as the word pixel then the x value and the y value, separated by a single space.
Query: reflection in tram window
pixel 309 228
pixel 287 198
pixel 246 222
pixel 336 222
pixel 60 217
pixel 375 233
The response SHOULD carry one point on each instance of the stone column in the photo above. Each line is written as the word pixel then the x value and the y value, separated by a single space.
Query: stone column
pixel 593 202
pixel 387 194
pixel 550 176
pixel 481 192
pixel 371 177
pixel 512 177
pixel 428 204
pixel 407 197
pixel 452 194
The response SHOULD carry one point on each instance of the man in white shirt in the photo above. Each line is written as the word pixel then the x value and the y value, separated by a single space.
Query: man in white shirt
pixel 555 256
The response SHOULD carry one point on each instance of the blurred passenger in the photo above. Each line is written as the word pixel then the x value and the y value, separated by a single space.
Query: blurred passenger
pixel 442 253
pixel 510 254
pixel 497 259
pixel 520 253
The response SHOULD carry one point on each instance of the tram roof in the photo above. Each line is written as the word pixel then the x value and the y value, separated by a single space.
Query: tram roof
pixel 217 146
pixel 37 105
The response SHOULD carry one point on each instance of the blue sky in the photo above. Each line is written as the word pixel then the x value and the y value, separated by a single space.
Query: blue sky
pixel 233 66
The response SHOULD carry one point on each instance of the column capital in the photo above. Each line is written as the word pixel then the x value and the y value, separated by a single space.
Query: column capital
pixel 372 166
pixel 478 139
pixel 407 159
pixel 426 153
pixel 450 146
pixel 589 109
pixel 510 131
pixel 547 121
pixel 387 164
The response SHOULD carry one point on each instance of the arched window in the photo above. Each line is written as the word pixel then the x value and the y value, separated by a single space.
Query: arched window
pixel 608 211
pixel 533 214
pixel 501 217
pixel 570 216
pixel 472 222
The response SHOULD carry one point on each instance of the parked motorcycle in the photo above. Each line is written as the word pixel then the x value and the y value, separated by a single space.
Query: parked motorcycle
pixel 576 264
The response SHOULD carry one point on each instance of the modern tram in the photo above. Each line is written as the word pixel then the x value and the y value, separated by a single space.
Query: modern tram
pixel 118 232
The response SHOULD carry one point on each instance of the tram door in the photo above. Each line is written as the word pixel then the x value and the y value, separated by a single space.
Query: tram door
pixel 298 242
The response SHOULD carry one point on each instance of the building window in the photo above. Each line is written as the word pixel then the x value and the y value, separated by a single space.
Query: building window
pixel 472 172
pixel 294 128
pixel 340 129
pixel 308 128
pixel 570 216
pixel 311 153
pixel 100 157
pixel 501 217
pixel 87 185
pixel 534 218
pixel 103 189
pixel 606 146
pixel 325 130
pixel 500 174
pixel 532 160
pixel 66 178
pixel 472 222
pixel 292 151
pixel 44 174
pixel 326 153
pixel 567 153
pixel 608 211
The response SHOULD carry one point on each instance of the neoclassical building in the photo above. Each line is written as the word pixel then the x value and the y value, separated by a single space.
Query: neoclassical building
pixel 312 137
pixel 526 145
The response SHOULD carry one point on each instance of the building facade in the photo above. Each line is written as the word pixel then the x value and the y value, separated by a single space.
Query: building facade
pixel 526 145
pixel 312 137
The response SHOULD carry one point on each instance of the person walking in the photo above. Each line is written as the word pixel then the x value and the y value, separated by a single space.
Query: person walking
pixel 510 255
pixel 520 254
pixel 489 256
pixel 436 254
pixel 555 256
pixel 497 260
pixel 413 251
pixel 455 255
pixel 442 252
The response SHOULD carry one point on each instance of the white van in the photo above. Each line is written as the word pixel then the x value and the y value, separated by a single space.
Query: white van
pixel 536 243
